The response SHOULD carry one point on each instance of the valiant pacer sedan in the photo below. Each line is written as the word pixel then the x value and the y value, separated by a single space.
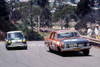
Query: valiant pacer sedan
pixel 15 39
pixel 66 41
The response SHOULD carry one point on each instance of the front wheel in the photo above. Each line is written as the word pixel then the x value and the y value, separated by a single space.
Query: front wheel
pixel 86 52
pixel 50 49
pixel 25 47
pixel 59 52
pixel 7 47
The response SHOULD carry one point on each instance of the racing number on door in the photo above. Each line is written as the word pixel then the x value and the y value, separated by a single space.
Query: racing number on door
pixel 54 41
pixel 53 38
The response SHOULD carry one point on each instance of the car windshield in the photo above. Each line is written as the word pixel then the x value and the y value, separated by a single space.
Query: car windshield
pixel 15 35
pixel 67 35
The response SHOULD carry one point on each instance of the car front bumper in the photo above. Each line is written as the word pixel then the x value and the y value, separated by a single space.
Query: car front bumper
pixel 17 45
pixel 75 49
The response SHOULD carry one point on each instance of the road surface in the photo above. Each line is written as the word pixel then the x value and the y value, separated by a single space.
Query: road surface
pixel 38 55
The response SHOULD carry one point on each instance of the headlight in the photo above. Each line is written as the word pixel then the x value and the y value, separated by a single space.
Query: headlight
pixel 24 40
pixel 65 46
pixel 88 44
pixel 9 42
pixel 80 45
pixel 72 45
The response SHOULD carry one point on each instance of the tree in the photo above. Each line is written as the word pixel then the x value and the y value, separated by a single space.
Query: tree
pixel 86 13
pixel 42 3
pixel 15 15
pixel 83 8
pixel 62 12
pixel 67 21
pixel 46 17
pixel 28 33
pixel 25 13
pixel 5 25
pixel 65 13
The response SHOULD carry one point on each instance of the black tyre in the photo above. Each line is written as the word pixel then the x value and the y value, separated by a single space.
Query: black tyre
pixel 7 48
pixel 59 52
pixel 25 47
pixel 86 52
pixel 50 49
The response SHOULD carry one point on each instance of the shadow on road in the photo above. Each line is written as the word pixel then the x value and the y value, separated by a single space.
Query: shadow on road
pixel 70 54
pixel 16 48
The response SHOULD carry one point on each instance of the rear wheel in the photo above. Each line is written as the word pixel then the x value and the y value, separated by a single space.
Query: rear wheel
pixel 86 52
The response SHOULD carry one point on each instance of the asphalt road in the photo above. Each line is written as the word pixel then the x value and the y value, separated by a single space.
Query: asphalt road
pixel 38 55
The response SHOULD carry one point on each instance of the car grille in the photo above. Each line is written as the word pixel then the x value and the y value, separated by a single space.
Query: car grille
pixel 76 45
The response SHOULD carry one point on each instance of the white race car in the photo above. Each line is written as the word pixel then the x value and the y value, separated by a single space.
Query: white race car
pixel 15 39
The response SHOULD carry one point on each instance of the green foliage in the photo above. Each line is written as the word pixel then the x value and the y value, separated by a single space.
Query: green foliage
pixel 63 12
pixel 16 15
pixel 5 25
pixel 44 13
pixel 23 26
pixel 45 35
pixel 80 25
pixel 66 13
pixel 42 3
pixel 67 22
pixel 83 8
pixel 28 32
pixel 22 4
pixel 3 8
pixel 46 17
pixel 34 35
pixel 36 11
pixel 84 13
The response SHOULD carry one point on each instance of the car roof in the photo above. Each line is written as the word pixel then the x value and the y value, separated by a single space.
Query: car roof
pixel 60 31
pixel 14 31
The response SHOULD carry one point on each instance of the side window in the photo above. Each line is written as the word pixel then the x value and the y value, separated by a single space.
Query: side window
pixel 8 36
pixel 51 36
pixel 54 35
pixel 76 34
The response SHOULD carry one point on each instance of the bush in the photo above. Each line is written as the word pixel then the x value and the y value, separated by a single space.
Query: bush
pixel 33 35
pixel 6 26
pixel 29 34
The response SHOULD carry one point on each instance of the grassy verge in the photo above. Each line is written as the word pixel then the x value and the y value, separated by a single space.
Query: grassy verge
pixel 45 35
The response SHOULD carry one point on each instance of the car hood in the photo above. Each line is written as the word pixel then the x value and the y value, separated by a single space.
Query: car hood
pixel 76 40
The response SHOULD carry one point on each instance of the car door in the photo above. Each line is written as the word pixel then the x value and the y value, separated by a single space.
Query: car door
pixel 54 40
pixel 51 40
